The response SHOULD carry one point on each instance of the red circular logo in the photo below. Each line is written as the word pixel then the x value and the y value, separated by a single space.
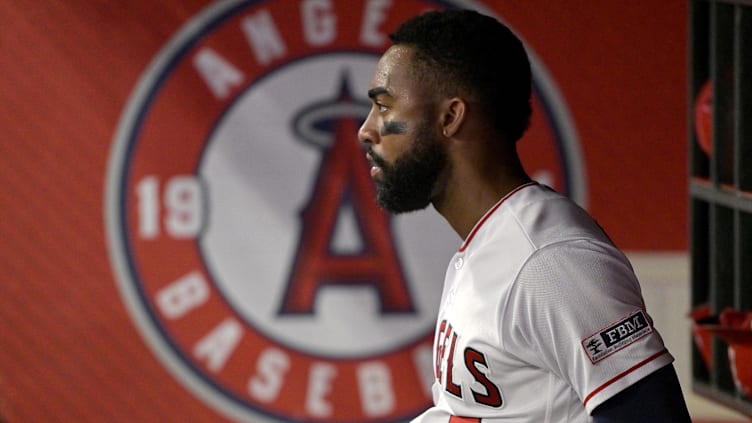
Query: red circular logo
pixel 242 223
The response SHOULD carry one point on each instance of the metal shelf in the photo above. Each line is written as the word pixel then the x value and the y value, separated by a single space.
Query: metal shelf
pixel 725 195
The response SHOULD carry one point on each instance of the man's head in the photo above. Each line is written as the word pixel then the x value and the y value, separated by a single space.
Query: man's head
pixel 404 144
pixel 439 67
pixel 464 53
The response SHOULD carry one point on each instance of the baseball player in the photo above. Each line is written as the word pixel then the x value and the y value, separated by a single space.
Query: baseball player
pixel 541 317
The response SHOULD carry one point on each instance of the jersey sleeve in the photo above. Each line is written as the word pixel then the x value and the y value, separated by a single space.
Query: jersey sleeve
pixel 576 310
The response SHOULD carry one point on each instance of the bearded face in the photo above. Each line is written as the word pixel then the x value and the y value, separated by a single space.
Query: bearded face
pixel 408 183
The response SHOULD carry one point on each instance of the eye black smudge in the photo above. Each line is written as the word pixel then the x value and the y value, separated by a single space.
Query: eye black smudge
pixel 392 128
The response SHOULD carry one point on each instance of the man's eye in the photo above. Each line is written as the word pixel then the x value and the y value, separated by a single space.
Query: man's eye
pixel 381 107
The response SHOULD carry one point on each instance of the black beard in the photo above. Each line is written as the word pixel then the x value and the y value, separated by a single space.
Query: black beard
pixel 408 184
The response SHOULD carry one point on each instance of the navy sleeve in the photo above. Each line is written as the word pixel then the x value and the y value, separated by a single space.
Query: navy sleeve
pixel 655 398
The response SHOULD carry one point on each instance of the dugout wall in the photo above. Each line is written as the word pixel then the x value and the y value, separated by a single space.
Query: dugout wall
pixel 720 191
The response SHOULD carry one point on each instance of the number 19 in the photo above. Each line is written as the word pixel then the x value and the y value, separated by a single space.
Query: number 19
pixel 182 201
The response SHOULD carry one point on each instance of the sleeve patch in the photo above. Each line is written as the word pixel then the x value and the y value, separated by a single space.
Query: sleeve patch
pixel 616 336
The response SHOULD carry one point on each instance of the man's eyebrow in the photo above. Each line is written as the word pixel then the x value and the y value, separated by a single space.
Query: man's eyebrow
pixel 373 92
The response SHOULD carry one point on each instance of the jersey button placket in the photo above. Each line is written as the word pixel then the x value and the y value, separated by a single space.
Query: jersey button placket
pixel 459 262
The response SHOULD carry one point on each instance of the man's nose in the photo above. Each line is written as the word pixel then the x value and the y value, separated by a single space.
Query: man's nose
pixel 367 133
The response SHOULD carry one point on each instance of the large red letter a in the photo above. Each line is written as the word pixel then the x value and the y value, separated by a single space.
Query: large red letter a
pixel 344 177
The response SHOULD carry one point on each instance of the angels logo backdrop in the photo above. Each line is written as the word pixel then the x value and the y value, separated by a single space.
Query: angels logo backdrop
pixel 187 231
pixel 244 232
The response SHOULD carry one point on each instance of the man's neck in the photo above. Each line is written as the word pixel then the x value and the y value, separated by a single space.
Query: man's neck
pixel 464 202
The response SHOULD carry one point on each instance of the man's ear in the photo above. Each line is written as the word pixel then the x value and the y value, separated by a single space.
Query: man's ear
pixel 453 115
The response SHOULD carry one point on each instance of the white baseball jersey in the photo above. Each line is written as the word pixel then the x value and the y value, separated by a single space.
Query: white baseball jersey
pixel 541 318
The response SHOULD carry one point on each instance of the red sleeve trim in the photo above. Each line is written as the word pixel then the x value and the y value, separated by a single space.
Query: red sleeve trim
pixel 458 419
pixel 624 373
pixel 490 212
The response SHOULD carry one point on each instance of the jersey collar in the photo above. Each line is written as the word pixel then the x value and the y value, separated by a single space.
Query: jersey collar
pixel 490 212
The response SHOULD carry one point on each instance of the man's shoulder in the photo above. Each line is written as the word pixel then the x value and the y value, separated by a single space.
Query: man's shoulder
pixel 533 218
pixel 547 217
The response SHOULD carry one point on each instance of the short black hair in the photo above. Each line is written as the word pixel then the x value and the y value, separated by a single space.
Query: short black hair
pixel 465 52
